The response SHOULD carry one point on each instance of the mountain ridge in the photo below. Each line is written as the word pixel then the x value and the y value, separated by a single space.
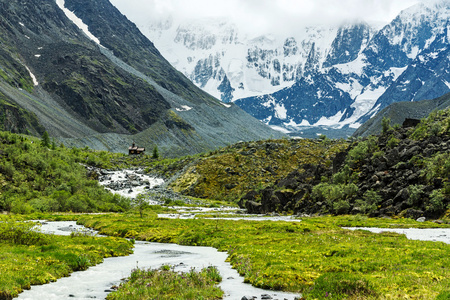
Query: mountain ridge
pixel 350 67
pixel 88 90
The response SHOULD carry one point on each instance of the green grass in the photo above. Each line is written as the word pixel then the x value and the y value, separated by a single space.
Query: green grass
pixel 165 283
pixel 30 258
pixel 313 257
pixel 232 171
pixel 38 178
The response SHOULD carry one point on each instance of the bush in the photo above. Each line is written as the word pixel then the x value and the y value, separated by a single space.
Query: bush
pixel 343 176
pixel 361 150
pixel 385 125
pixel 21 207
pixel 393 142
pixel 436 203
pixel 165 283
pixel 335 195
pixel 44 204
pixel 437 167
pixel 8 169
pixel 415 194
pixel 370 202
pixel 22 233
pixel 350 190
pixel 341 207
pixel 377 154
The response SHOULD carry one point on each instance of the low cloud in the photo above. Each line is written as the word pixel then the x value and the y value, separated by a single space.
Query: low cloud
pixel 262 16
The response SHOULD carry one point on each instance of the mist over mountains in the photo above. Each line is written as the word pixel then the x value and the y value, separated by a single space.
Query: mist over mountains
pixel 322 76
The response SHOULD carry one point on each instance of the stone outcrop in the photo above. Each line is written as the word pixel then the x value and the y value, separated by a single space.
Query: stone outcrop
pixel 392 171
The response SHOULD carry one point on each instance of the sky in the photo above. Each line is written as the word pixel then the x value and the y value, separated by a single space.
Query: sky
pixel 266 15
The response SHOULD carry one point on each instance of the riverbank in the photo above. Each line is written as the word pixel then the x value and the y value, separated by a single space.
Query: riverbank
pixel 312 257
pixel 100 280
pixel 29 257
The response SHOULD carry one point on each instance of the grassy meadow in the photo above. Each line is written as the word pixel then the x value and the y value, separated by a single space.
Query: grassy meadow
pixel 315 257
pixel 28 257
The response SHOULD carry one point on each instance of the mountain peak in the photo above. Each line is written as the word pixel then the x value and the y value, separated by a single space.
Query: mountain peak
pixel 85 74
pixel 350 66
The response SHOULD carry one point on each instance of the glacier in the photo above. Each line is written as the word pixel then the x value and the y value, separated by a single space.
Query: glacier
pixel 337 76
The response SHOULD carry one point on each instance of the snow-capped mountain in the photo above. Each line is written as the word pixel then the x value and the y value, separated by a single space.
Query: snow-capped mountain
pixel 332 76
pixel 230 65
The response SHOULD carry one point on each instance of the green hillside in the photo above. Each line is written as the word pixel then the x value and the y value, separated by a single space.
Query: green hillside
pixel 40 176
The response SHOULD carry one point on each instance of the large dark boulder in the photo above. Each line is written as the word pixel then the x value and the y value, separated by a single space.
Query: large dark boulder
pixel 253 207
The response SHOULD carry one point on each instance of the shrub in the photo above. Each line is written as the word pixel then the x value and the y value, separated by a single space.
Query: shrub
pixel 385 125
pixel 8 169
pixel 335 192
pixel 165 283
pixel 436 203
pixel 393 142
pixel 77 203
pixel 435 129
pixel 350 190
pixel 437 167
pixel 343 176
pixel 377 154
pixel 22 233
pixel 341 207
pixel 340 178
pixel 415 193
pixel 369 203
pixel 79 262
pixel 361 150
pixel 44 204
pixel 21 207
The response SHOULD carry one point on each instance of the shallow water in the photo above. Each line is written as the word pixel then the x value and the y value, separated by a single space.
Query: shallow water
pixel 122 176
pixel 96 282
pixel 232 218
pixel 429 234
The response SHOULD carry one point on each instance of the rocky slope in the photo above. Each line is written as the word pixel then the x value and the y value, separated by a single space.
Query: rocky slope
pixel 93 79
pixel 403 171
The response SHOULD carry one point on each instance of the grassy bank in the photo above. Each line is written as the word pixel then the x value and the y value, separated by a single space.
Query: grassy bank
pixel 30 258
pixel 315 257
pixel 166 284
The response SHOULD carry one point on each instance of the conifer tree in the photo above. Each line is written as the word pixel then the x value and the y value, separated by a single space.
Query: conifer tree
pixel 155 154
pixel 45 140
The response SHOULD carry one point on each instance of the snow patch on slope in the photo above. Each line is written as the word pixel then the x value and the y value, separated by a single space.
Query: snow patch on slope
pixel 77 21
pixel 33 77
pixel 280 111
pixel 184 108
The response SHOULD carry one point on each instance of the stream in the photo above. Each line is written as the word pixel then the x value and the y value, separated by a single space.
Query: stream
pixel 97 281
pixel 428 234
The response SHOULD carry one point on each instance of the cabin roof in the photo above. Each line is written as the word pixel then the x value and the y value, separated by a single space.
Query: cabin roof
pixel 136 148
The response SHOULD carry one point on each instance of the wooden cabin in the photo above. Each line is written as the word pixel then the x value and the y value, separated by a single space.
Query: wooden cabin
pixel 134 150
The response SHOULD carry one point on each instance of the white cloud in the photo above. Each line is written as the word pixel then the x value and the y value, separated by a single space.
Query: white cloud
pixel 265 15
